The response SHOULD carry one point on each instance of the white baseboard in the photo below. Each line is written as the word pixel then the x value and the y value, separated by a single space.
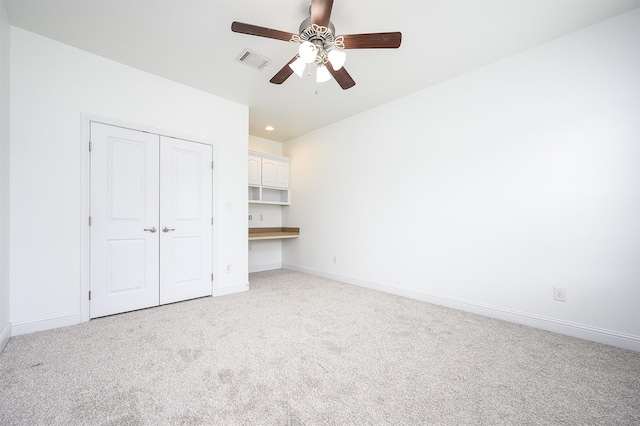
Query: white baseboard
pixel 608 337
pixel 44 324
pixel 5 335
pixel 73 319
pixel 230 290
pixel 268 267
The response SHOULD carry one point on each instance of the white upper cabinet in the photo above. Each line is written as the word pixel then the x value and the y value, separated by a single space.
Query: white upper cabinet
pixel 275 173
pixel 255 170
pixel 268 178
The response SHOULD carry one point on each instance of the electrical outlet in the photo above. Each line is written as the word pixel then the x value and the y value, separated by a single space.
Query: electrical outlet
pixel 261 218
pixel 228 268
pixel 250 217
pixel 560 294
pixel 335 259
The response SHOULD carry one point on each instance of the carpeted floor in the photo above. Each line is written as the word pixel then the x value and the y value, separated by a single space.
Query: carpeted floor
pixel 298 349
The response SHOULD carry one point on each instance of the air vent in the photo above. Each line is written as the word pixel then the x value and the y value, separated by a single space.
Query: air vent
pixel 253 59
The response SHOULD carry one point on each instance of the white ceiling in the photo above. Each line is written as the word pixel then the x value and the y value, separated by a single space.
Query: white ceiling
pixel 190 41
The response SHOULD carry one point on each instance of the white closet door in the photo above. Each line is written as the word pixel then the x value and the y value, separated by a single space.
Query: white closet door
pixel 185 220
pixel 124 270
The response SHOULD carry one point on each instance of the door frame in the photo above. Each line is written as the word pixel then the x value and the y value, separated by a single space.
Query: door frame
pixel 85 198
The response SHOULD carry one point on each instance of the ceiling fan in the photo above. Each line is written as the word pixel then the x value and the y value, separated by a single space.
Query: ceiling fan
pixel 319 45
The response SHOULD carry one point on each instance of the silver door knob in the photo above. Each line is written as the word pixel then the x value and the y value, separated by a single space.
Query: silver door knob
pixel 165 229
pixel 152 230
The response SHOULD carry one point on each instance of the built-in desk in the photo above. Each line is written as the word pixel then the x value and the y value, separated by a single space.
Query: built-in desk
pixel 273 233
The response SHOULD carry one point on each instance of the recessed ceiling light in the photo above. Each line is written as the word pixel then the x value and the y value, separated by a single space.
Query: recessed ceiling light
pixel 269 128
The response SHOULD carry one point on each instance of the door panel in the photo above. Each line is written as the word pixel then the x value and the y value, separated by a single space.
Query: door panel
pixel 124 270
pixel 187 267
pixel 127 186
pixel 185 212
pixel 123 265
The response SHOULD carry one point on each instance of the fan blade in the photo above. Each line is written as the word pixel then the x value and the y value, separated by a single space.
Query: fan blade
pixel 284 73
pixel 321 12
pixel 239 27
pixel 342 76
pixel 373 41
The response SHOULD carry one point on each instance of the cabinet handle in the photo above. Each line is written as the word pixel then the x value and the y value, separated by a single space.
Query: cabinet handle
pixel 152 230
pixel 165 229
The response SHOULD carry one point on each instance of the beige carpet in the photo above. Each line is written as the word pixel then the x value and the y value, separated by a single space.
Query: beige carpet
pixel 298 349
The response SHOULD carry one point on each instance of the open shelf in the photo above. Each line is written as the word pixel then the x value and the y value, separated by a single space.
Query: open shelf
pixel 254 193
pixel 274 195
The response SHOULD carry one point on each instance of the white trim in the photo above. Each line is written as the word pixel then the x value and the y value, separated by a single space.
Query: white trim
pixel 86 117
pixel 270 155
pixel 231 290
pixel 45 324
pixel 85 210
pixel 267 267
pixel 595 334
pixel 5 336
pixel 85 199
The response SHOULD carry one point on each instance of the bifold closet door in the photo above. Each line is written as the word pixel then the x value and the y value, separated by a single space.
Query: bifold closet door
pixel 151 214
pixel 124 270
pixel 185 220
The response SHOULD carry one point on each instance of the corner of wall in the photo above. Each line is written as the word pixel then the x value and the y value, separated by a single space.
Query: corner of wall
pixel 5 41
pixel 5 335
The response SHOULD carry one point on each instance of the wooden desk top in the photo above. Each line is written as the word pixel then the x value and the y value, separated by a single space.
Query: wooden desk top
pixel 273 233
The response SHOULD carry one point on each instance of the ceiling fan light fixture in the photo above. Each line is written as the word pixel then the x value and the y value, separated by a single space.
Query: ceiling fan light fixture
pixel 308 51
pixel 337 59
pixel 322 74
pixel 298 67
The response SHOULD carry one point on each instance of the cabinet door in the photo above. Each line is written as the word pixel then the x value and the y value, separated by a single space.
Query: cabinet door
pixel 255 170
pixel 275 173
pixel 282 174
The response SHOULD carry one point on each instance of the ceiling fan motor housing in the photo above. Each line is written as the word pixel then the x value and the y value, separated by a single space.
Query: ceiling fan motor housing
pixel 322 39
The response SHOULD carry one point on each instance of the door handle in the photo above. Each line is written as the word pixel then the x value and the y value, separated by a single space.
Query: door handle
pixel 165 229
pixel 152 229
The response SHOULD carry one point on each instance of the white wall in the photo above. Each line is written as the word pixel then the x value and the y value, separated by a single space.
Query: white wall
pixel 52 85
pixel 486 191
pixel 264 145
pixel 5 34
pixel 265 254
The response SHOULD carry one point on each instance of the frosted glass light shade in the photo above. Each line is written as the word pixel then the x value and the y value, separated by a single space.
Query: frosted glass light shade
pixel 298 66
pixel 337 59
pixel 322 74
pixel 307 51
